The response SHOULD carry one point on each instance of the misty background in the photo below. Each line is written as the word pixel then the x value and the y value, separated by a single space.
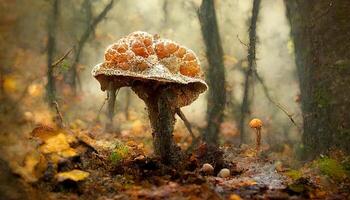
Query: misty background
pixel 24 59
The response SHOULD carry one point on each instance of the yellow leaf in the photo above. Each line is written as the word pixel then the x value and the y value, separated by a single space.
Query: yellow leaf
pixel 33 167
pixel 55 144
pixel 30 161
pixel 70 138
pixel 10 84
pixel 43 133
pixel 234 197
pixel 74 175
pixel 55 158
pixel 68 153
pixel 250 152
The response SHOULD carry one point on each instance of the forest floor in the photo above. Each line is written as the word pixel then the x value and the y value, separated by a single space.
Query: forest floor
pixel 78 164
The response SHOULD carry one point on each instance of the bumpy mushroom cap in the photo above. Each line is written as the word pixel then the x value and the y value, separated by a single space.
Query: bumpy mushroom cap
pixel 256 123
pixel 143 57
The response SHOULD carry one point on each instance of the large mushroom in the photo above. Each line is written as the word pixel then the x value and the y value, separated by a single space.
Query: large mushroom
pixel 164 74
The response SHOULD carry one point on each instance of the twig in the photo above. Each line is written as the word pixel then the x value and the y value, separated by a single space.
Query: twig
pixel 99 111
pixel 278 105
pixel 62 58
pixel 186 122
pixel 58 115
pixel 246 45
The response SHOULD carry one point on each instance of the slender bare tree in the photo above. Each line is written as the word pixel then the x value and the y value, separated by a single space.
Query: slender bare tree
pixel 92 22
pixel 249 75
pixel 216 71
pixel 51 48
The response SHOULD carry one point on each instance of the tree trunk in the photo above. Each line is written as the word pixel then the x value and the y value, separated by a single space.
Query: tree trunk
pixel 321 33
pixel 216 71
pixel 51 48
pixel 250 72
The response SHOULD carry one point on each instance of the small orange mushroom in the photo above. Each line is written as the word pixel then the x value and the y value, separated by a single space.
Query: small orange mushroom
pixel 257 125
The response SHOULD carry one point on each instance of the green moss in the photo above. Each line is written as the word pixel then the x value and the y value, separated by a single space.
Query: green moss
pixel 294 174
pixel 298 188
pixel 119 153
pixel 331 168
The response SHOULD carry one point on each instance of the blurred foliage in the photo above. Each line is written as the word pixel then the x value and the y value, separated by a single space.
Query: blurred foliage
pixel 331 168
pixel 294 174
pixel 120 152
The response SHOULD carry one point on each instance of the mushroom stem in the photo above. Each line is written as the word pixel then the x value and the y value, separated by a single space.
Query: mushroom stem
pixel 111 93
pixel 162 119
pixel 258 138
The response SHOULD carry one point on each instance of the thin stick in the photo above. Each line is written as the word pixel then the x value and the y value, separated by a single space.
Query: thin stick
pixel 278 105
pixel 62 58
pixel 103 104
pixel 246 45
pixel 186 122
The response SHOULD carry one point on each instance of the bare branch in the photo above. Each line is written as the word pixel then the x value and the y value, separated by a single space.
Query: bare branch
pixel 186 122
pixel 278 105
pixel 59 118
pixel 246 45
pixel 62 58
pixel 101 107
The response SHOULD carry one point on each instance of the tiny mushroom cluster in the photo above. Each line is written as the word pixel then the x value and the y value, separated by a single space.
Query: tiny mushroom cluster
pixel 208 169
pixel 164 74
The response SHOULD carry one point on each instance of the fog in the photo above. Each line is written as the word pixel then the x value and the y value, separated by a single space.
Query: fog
pixel 178 21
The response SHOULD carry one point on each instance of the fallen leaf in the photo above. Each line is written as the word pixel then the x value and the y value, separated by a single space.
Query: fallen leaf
pixel 10 84
pixel 234 197
pixel 34 165
pixel 43 132
pixel 250 152
pixel 74 175
pixel 68 153
pixel 84 138
pixel 55 144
